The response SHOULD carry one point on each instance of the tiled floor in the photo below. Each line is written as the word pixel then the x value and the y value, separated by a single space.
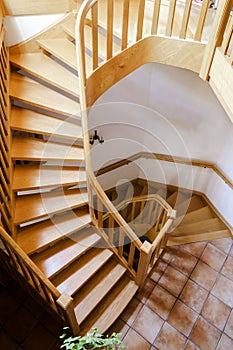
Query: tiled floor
pixel 186 303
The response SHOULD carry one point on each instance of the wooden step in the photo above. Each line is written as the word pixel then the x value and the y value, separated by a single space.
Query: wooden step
pixel 30 121
pixel 72 279
pixel 195 216
pixel 96 289
pixel 205 236
pixel 25 90
pixel 62 254
pixel 48 71
pixel 35 206
pixel 190 204
pixel 31 177
pixel 111 307
pixel 69 27
pixel 33 149
pixel 65 51
pixel 208 225
pixel 39 236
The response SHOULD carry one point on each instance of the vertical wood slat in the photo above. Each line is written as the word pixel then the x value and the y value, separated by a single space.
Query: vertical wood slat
pixel 121 241
pixel 110 29
pixel 141 11
pixel 132 211
pixel 171 15
pixel 228 37
pixel 201 20
pixel 185 19
pixel 155 19
pixel 125 25
pixel 131 255
pixel 110 228
pixel 100 212
pixel 95 48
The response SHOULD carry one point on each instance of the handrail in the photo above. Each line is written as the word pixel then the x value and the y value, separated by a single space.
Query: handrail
pixel 99 81
pixel 62 304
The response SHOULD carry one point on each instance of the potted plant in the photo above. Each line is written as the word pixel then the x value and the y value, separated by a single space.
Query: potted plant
pixel 91 341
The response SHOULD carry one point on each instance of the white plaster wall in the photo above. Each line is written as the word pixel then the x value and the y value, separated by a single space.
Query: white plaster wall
pixel 20 28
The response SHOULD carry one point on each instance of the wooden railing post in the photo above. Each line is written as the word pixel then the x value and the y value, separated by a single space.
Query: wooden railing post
pixel 216 37
pixel 144 262
pixel 66 303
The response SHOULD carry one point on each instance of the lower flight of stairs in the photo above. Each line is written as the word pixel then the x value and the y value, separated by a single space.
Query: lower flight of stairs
pixel 51 217
pixel 196 220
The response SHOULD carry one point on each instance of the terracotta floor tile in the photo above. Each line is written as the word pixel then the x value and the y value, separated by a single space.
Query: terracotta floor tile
pixel 229 326
pixel 33 307
pixel 148 324
pixel 225 343
pixel 168 253
pixel 52 325
pixel 182 318
pixel 20 324
pixel 118 326
pixel 216 312
pixel 194 295
pixel 223 244
pixel 158 270
pixel 134 341
pixel 169 338
pixel 161 301
pixel 227 269
pixel 204 275
pixel 191 346
pixel 195 249
pixel 183 261
pixel 131 311
pixel 205 335
pixel 6 342
pixel 145 291
pixel 231 251
pixel 223 290
pixel 8 305
pixel 39 339
pixel 213 257
pixel 173 280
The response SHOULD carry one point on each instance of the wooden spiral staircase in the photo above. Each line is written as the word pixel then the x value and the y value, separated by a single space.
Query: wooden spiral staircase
pixel 52 223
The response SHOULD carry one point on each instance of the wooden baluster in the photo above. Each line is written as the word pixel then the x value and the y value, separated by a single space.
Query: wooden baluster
pixel 131 254
pixel 201 20
pixel 125 24
pixel 95 48
pixel 171 16
pixel 100 212
pixel 143 264
pixel 141 11
pixel 228 36
pixel 121 241
pixel 155 19
pixel 133 211
pixel 185 19
pixel 110 228
pixel 110 29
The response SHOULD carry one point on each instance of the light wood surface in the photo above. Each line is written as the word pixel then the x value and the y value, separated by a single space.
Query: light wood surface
pixel 30 92
pixel 41 235
pixel 31 207
pixel 24 148
pixel 42 67
pixel 34 177
pixel 33 122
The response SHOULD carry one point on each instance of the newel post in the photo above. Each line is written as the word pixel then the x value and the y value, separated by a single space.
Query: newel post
pixel 66 303
pixel 216 36
pixel 144 261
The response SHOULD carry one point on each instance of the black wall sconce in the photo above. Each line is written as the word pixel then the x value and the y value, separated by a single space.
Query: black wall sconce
pixel 96 137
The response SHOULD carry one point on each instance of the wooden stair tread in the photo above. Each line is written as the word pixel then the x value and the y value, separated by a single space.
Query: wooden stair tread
pixel 62 254
pixel 72 279
pixel 69 27
pixel 39 176
pixel 190 204
pixel 38 236
pixel 24 148
pixel 111 306
pixel 96 289
pixel 63 49
pixel 30 121
pixel 47 70
pixel 26 90
pixel 208 225
pixel 204 236
pixel 194 216
pixel 36 206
